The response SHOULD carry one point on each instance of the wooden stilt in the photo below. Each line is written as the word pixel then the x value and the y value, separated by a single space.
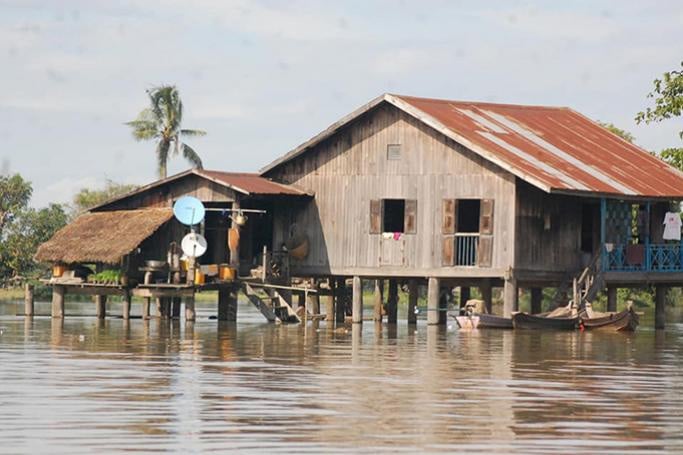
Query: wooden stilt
pixel 412 301
pixel 465 293
pixel 612 299
pixel 509 297
pixel 28 301
pixel 313 303
pixel 443 307
pixel 189 308
pixel 340 297
pixel 392 302
pixel 536 300
pixel 660 307
pixel 146 304
pixel 175 307
pixel 329 304
pixel 58 301
pixel 101 306
pixel 357 312
pixel 227 304
pixel 127 300
pixel 487 296
pixel 378 300
pixel 433 301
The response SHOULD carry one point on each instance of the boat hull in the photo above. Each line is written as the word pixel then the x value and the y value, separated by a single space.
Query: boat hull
pixel 530 321
pixel 483 321
pixel 624 321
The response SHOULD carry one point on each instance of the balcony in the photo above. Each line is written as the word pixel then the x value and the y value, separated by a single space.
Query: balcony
pixel 642 258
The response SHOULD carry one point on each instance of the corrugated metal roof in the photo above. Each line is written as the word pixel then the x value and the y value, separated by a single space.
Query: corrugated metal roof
pixel 250 183
pixel 553 148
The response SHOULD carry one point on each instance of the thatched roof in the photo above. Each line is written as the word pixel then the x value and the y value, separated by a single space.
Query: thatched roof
pixel 103 236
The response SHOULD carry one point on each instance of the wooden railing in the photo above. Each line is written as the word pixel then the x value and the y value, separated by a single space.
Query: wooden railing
pixel 666 257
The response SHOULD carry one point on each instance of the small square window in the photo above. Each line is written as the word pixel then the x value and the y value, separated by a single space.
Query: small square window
pixel 393 152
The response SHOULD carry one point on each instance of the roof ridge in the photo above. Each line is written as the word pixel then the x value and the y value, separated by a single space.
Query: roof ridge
pixel 479 103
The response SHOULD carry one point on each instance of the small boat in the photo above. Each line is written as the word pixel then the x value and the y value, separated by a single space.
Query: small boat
pixel 624 321
pixel 483 321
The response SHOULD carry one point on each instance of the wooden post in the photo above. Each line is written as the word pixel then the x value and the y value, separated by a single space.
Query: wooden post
pixel 433 301
pixel 313 303
pixel 189 308
pixel 412 301
pixel 464 295
pixel 443 306
pixel 329 303
pixel 175 307
pixel 392 302
pixel 235 247
pixel 101 306
pixel 509 297
pixel 536 300
pixel 340 297
pixel 146 303
pixel 660 310
pixel 227 304
pixel 487 296
pixel 58 301
pixel 357 311
pixel 378 301
pixel 28 301
pixel 127 300
pixel 612 299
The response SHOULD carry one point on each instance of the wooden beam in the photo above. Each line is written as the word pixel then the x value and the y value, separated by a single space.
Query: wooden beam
pixel 378 300
pixel 612 298
pixel 392 302
pixel 146 303
pixel 101 306
pixel 509 297
pixel 536 300
pixel 227 304
pixel 58 293
pixel 412 301
pixel 357 311
pixel 433 301
pixel 190 314
pixel 313 303
pixel 660 307
pixel 486 291
pixel 175 307
pixel 340 297
pixel 29 308
pixel 127 300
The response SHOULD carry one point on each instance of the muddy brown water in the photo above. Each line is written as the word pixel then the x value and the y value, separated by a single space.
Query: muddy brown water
pixel 83 386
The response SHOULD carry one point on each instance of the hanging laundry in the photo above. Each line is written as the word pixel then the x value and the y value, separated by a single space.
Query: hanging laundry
pixel 672 226
pixel 397 236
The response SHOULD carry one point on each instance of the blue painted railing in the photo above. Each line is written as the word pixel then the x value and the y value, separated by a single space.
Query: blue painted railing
pixel 642 258
pixel 466 246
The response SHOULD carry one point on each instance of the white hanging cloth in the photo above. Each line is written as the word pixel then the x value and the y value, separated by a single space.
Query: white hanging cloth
pixel 672 226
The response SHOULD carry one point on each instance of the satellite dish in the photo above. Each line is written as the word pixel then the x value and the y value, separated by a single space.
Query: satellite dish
pixel 193 245
pixel 189 210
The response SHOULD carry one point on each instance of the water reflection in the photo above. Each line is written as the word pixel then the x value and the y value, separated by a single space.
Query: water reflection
pixel 85 385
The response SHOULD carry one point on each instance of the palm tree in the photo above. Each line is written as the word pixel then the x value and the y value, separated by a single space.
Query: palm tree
pixel 161 121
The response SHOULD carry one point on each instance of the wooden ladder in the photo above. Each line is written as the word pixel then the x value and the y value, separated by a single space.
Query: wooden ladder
pixel 272 303
pixel 586 286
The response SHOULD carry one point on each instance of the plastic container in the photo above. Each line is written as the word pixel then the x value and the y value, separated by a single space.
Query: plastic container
pixel 226 273
pixel 199 278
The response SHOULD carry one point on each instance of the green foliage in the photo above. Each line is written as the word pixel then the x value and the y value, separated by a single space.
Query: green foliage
pixel 22 237
pixel 87 198
pixel 162 122
pixel 673 156
pixel 106 276
pixel 618 131
pixel 15 192
pixel 668 98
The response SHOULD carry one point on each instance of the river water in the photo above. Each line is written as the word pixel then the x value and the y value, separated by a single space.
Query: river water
pixel 84 386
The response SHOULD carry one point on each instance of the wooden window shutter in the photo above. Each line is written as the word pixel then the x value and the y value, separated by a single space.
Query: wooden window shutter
pixel 375 216
pixel 448 226
pixel 485 251
pixel 448 251
pixel 410 217
pixel 486 217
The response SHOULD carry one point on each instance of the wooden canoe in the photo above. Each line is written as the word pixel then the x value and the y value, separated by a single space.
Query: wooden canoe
pixel 530 321
pixel 483 321
pixel 624 321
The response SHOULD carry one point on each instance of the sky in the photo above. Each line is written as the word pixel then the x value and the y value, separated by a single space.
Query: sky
pixel 261 77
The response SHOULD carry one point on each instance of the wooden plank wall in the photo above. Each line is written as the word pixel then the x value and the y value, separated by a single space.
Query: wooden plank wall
pixel 351 168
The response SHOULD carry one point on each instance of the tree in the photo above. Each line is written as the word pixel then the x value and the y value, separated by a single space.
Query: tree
pixel 88 198
pixel 162 122
pixel 15 192
pixel 23 237
pixel 625 135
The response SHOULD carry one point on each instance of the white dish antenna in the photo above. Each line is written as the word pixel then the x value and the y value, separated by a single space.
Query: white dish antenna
pixel 189 210
pixel 193 245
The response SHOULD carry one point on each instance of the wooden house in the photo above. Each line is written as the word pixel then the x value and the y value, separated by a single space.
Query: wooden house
pixel 480 194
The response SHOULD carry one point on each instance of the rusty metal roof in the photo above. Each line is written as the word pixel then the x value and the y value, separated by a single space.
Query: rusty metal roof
pixel 554 148
pixel 250 183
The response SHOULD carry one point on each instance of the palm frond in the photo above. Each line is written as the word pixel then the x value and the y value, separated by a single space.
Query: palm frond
pixel 192 133
pixel 192 156
pixel 145 126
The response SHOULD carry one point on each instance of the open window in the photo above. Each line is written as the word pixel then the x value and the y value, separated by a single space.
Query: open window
pixel 467 229
pixel 393 216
